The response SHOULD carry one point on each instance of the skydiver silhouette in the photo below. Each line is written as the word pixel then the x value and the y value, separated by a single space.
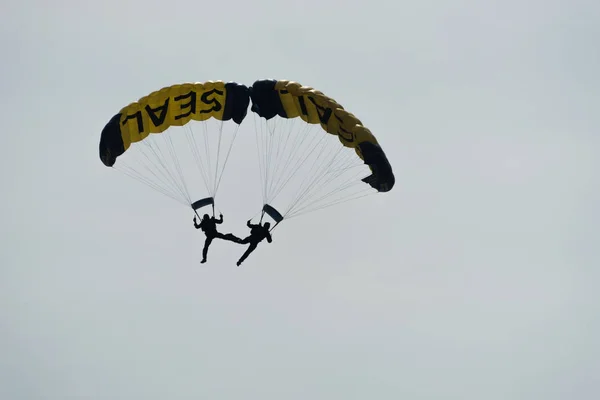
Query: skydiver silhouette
pixel 209 227
pixel 258 233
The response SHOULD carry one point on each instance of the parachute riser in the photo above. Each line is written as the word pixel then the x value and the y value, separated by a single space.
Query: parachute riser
pixel 277 223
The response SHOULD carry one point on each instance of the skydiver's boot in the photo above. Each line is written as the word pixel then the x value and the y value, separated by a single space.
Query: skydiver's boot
pixel 205 250
pixel 249 250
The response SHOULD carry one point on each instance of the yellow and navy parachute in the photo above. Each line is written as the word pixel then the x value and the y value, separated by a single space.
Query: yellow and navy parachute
pixel 174 105
pixel 287 99
pixel 302 136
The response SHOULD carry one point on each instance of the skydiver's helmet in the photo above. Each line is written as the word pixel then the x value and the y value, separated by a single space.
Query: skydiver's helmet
pixel 267 225
pixel 205 217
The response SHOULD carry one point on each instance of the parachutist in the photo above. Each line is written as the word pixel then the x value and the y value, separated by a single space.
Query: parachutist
pixel 258 233
pixel 209 227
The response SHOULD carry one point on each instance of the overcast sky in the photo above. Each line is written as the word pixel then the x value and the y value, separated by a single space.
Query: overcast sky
pixel 474 279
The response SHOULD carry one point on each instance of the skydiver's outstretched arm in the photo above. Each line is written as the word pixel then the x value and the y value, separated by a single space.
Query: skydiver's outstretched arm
pixel 269 238
pixel 219 221
pixel 196 225
pixel 251 225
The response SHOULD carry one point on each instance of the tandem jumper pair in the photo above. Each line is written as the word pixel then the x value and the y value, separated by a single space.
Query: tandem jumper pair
pixel 298 129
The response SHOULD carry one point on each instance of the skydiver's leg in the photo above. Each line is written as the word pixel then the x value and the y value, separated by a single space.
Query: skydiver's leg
pixel 246 240
pixel 207 243
pixel 235 239
pixel 230 236
pixel 249 250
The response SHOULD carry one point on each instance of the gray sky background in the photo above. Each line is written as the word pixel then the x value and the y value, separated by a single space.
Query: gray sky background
pixel 475 278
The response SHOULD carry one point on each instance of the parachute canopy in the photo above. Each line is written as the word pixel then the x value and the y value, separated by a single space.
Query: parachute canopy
pixel 288 99
pixel 329 153
pixel 172 106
